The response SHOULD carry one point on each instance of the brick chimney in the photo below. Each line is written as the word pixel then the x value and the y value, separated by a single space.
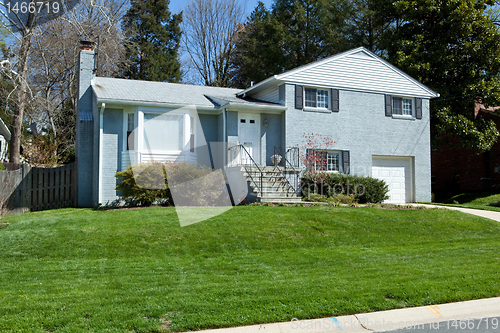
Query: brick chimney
pixel 85 128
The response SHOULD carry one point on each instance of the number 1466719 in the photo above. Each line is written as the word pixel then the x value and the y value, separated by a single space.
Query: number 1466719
pixel 471 324
pixel 32 7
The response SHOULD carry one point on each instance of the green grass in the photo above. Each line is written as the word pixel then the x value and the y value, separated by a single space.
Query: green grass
pixel 477 200
pixel 135 270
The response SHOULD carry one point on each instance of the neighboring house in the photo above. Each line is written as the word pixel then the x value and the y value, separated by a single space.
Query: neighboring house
pixel 377 115
pixel 4 137
pixel 457 170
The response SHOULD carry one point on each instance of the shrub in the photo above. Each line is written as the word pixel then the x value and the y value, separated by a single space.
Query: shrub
pixel 147 183
pixel 334 200
pixel 364 189
pixel 344 199
pixel 2 167
pixel 149 190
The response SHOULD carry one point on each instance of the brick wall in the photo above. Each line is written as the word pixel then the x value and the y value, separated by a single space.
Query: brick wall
pixel 462 170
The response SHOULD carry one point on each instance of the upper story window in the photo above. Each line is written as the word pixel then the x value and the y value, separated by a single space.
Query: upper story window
pixel 402 106
pixel 316 98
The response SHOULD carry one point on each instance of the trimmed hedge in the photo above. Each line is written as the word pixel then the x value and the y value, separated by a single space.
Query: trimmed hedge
pixel 365 189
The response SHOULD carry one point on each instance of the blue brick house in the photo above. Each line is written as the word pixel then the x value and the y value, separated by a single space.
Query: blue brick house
pixel 377 115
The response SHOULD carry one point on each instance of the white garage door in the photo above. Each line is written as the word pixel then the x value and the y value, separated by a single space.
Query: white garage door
pixel 397 173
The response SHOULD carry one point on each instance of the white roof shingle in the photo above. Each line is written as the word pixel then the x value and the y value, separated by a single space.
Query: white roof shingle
pixel 167 93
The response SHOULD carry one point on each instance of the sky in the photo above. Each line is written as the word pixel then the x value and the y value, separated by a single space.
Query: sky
pixel 178 5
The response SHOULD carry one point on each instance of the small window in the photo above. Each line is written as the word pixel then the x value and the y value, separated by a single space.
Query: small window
pixel 316 98
pixel 130 131
pixel 243 121
pixel 191 136
pixel 311 97
pixel 252 121
pixel 402 106
pixel 333 162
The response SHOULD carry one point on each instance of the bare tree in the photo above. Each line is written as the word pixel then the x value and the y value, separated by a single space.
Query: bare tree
pixel 24 23
pixel 55 54
pixel 48 46
pixel 210 28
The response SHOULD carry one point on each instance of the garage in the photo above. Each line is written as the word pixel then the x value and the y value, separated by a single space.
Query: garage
pixel 397 172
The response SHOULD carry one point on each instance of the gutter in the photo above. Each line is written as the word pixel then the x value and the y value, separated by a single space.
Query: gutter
pixel 261 83
pixel 232 105
pixel 158 104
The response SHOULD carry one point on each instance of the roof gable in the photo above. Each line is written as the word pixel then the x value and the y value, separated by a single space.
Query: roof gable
pixel 357 69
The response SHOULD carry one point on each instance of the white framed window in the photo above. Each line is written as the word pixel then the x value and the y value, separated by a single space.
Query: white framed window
pixel 130 131
pixel 316 98
pixel 191 135
pixel 402 106
pixel 162 132
pixel 329 161
pixel 333 161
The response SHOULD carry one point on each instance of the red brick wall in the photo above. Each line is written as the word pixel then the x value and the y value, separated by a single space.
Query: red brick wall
pixel 462 170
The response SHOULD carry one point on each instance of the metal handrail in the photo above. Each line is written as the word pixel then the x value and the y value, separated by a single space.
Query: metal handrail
pixel 254 163
pixel 285 161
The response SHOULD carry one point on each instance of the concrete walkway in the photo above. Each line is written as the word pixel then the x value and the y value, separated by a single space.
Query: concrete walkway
pixel 419 317
pixel 478 212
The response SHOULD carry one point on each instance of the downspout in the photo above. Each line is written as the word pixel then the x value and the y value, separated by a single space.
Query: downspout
pixel 101 119
pixel 224 138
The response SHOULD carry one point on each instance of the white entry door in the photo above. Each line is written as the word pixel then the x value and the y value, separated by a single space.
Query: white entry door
pixel 248 136
pixel 398 174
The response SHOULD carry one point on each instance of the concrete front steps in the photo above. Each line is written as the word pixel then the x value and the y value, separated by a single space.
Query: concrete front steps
pixel 275 188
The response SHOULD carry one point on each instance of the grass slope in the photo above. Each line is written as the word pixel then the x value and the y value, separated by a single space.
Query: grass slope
pixel 136 270
pixel 477 200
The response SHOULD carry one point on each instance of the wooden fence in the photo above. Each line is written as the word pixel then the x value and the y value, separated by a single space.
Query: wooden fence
pixel 23 188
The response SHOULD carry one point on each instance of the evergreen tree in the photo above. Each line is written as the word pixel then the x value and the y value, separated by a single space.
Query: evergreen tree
pixel 452 47
pixel 152 36
pixel 292 34
pixel 259 49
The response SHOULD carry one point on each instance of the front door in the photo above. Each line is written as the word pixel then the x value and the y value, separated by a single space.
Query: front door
pixel 248 136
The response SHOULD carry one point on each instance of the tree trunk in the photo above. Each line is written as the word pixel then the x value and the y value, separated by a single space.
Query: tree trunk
pixel 22 70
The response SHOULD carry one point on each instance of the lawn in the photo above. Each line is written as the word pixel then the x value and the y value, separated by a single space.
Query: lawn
pixel 136 270
pixel 477 200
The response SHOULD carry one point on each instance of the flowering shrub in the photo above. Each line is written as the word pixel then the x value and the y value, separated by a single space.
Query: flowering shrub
pixel 365 189
pixel 313 150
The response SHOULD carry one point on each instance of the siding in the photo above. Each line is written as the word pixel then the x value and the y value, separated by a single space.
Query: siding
pixel 271 136
pixel 357 71
pixel 269 95
pixel 210 129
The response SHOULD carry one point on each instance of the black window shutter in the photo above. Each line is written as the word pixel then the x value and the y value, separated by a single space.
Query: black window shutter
pixel 346 163
pixel 308 161
pixel 388 105
pixel 335 100
pixel 299 97
pixel 418 101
